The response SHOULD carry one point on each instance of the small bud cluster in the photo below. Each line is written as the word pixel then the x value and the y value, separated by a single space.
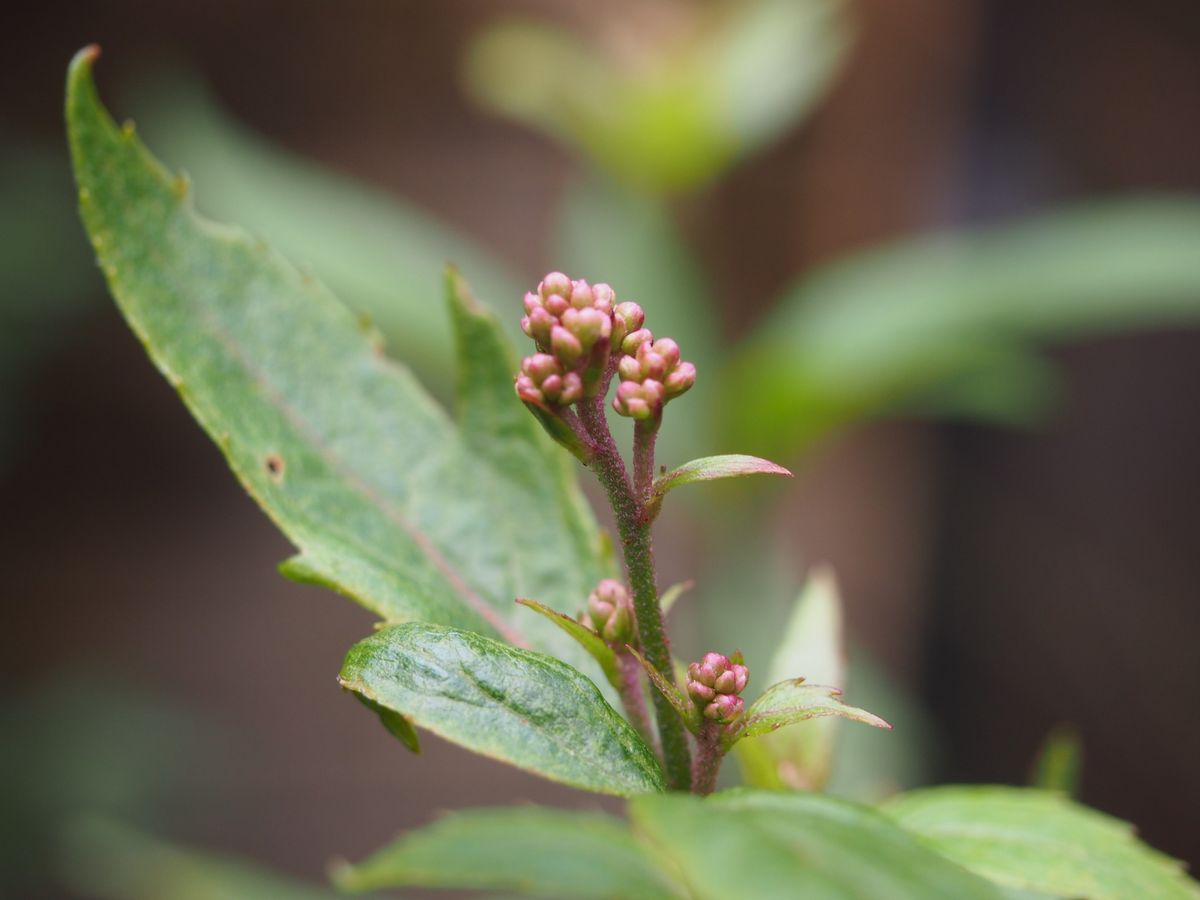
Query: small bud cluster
pixel 651 373
pixel 571 322
pixel 610 612
pixel 578 327
pixel 714 684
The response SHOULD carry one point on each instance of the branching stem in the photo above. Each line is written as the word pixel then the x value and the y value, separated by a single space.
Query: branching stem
pixel 634 699
pixel 644 434
pixel 633 527
pixel 709 754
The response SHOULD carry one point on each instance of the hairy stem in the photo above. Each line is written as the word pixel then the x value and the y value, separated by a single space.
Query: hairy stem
pixel 707 763
pixel 644 434
pixel 634 698
pixel 633 527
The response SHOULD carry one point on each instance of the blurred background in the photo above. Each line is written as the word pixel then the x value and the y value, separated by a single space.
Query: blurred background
pixel 941 257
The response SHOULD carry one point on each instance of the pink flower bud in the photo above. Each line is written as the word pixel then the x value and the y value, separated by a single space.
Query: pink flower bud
pixel 543 382
pixel 725 708
pixel 532 302
pixel 678 381
pixel 629 369
pixel 581 295
pixel 603 298
pixel 626 318
pixel 635 339
pixel 567 348
pixel 555 283
pixel 611 611
pixel 668 350
pixel 556 305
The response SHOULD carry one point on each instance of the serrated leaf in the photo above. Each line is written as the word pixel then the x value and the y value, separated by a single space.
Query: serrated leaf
pixel 791 702
pixel 811 646
pixel 710 468
pixel 390 501
pixel 533 851
pixel 524 708
pixel 1040 841
pixel 584 636
pixel 784 845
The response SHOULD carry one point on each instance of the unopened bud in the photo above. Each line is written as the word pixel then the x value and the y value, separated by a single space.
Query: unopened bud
pixel 714 684
pixel 725 708
pixel 555 283
pixel 611 611
pixel 567 348
pixel 626 318
pixel 635 339
pixel 543 382
pixel 678 382
pixel 639 401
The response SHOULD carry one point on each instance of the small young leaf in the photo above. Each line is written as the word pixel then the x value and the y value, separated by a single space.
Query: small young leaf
pixel 532 851
pixel 1040 841
pixel 774 845
pixel 588 639
pixel 521 707
pixel 710 468
pixel 681 703
pixel 789 702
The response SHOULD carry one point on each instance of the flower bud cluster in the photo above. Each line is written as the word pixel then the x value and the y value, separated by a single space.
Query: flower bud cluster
pixel 651 373
pixel 714 684
pixel 572 322
pixel 610 612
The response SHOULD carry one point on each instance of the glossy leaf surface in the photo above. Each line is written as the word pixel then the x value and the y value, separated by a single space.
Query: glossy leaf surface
pixel 1040 841
pixel 711 468
pixel 532 851
pixel 794 701
pixel 524 708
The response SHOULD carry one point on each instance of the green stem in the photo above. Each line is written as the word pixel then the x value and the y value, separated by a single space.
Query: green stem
pixel 644 434
pixel 633 526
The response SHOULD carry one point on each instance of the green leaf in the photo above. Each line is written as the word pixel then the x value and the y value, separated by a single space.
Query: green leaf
pixel 769 845
pixel 398 726
pixel 586 637
pixel 383 256
pixel 679 701
pixel 710 468
pixel 527 709
pixel 105 860
pixel 389 500
pixel 949 324
pixel 674 110
pixel 1059 763
pixel 532 851
pixel 1040 841
pixel 802 758
pixel 791 702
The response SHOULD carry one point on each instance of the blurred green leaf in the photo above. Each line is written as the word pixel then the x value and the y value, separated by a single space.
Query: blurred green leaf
pixel 384 257
pixel 533 851
pixel 949 324
pixel 1040 841
pixel 389 500
pixel 768 845
pixel 811 646
pixel 1059 763
pixel 527 709
pixel 107 861
pixel 665 110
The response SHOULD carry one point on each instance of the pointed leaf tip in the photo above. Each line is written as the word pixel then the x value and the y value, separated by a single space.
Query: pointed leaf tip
pixel 710 468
